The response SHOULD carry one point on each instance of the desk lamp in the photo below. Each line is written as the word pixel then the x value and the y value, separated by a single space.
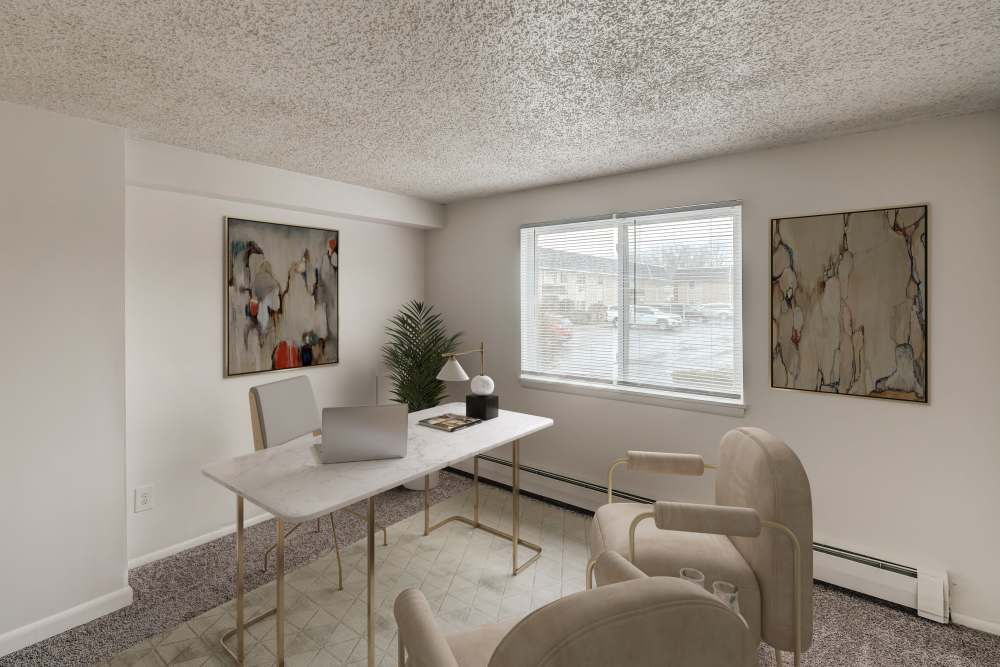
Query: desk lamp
pixel 482 402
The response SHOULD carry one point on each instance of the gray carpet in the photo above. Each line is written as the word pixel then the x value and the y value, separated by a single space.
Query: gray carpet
pixel 850 629
pixel 178 588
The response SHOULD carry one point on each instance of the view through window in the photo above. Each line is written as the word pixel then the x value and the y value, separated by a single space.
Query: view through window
pixel 648 302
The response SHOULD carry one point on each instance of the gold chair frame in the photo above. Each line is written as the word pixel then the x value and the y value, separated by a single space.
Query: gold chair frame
pixel 796 567
pixel 796 574
pixel 611 499
pixel 258 444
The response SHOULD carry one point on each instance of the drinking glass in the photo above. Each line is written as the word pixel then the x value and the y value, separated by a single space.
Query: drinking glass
pixel 693 575
pixel 728 593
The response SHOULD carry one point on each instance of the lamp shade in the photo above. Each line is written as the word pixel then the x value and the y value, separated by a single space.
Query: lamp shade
pixel 452 371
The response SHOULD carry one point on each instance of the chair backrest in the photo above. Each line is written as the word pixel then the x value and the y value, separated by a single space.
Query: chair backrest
pixel 760 471
pixel 659 621
pixel 282 411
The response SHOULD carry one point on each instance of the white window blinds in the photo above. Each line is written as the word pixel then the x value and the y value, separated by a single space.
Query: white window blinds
pixel 646 303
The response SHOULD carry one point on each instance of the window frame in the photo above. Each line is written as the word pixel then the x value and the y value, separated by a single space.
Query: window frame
pixel 723 405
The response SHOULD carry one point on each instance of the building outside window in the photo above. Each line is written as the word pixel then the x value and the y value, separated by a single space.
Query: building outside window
pixel 642 304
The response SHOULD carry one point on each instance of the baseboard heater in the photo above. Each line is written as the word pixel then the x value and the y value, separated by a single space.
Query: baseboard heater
pixel 925 591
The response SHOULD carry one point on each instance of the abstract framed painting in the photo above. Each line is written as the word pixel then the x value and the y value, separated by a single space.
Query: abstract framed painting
pixel 282 299
pixel 849 303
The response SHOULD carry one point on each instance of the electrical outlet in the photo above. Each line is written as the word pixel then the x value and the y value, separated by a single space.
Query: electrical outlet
pixel 143 498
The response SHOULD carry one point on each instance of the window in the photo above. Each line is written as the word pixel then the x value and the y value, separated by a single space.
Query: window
pixel 662 316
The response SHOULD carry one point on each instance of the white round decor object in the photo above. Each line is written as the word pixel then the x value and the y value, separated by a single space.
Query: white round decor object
pixel 482 385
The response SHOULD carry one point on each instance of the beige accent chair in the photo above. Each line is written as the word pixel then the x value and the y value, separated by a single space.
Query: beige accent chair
pixel 283 411
pixel 633 620
pixel 758 535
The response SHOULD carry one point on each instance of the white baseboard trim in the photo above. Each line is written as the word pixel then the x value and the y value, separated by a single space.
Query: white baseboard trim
pixel 44 628
pixel 846 574
pixel 990 627
pixel 865 579
pixel 194 541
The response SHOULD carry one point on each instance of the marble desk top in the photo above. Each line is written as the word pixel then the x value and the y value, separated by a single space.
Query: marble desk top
pixel 290 482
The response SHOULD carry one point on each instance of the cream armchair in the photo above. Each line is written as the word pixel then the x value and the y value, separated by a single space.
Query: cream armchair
pixel 633 620
pixel 758 535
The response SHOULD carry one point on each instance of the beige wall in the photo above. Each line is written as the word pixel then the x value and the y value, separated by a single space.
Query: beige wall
pixel 62 398
pixel 182 413
pixel 911 483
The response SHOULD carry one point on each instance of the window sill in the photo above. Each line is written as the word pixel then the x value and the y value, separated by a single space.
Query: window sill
pixel 715 406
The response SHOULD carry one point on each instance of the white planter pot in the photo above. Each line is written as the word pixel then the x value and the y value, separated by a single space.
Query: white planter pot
pixel 418 484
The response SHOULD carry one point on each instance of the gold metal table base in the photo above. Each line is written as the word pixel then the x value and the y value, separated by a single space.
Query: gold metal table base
pixel 234 654
pixel 279 609
pixel 514 538
pixel 278 612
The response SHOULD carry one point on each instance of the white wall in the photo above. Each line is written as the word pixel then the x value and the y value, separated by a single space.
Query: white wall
pixel 182 414
pixel 163 167
pixel 62 399
pixel 915 484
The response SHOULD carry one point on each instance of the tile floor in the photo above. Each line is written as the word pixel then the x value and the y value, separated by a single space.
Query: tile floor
pixel 464 573
pixel 466 577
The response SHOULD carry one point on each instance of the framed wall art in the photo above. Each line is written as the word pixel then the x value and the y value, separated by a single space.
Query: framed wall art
pixel 282 300
pixel 849 303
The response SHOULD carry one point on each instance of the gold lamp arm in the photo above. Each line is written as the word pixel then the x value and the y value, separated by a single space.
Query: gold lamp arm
pixel 482 356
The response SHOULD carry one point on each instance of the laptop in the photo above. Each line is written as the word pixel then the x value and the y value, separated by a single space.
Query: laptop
pixel 363 433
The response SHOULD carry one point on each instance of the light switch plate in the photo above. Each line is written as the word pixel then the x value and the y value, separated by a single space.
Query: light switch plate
pixel 143 500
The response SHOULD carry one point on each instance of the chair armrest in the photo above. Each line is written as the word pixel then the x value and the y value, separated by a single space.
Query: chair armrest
pixel 717 519
pixel 613 568
pixel 418 632
pixel 695 518
pixel 666 463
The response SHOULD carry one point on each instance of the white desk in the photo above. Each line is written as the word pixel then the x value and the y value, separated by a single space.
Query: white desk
pixel 291 483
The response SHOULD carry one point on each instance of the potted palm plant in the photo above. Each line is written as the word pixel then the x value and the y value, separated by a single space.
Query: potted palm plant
pixel 413 356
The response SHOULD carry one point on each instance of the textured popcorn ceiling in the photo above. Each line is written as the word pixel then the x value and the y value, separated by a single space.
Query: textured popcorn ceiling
pixel 447 100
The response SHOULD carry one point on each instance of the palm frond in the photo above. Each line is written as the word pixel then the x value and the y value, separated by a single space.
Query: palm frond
pixel 414 353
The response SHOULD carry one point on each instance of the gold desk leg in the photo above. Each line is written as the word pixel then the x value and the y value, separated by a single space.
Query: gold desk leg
pixel 427 505
pixel 475 489
pixel 240 559
pixel 371 582
pixel 336 550
pixel 385 531
pixel 474 522
pixel 515 493
pixel 279 622
pixel 241 622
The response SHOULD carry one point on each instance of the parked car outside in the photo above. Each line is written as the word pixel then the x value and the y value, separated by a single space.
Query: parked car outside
pixel 646 316
pixel 719 311
pixel 694 311
pixel 557 328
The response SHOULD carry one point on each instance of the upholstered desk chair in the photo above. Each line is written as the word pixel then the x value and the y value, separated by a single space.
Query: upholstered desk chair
pixel 758 535
pixel 281 412
pixel 634 620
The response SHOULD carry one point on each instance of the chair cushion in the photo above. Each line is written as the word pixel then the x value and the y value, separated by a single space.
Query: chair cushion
pixel 662 553
pixel 474 648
